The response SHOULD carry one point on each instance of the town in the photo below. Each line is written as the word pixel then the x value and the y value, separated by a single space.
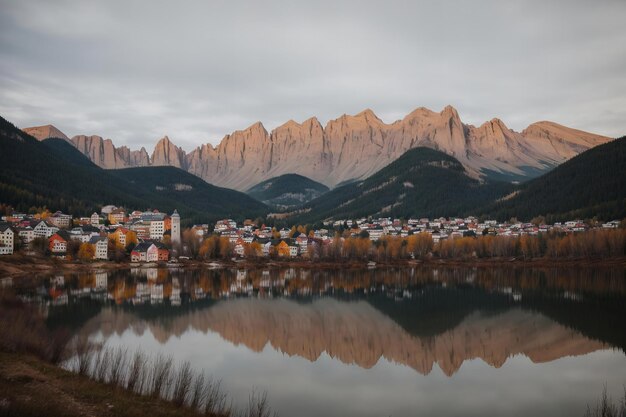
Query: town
pixel 116 234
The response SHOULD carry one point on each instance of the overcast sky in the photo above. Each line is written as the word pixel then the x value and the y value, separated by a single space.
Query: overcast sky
pixel 134 71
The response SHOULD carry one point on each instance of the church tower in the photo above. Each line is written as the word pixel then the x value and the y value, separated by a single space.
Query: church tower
pixel 175 228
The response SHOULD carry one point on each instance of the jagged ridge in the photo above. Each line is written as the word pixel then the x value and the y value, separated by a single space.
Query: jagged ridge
pixel 354 147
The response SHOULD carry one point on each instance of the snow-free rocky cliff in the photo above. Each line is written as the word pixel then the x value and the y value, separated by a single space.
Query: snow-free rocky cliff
pixel 348 148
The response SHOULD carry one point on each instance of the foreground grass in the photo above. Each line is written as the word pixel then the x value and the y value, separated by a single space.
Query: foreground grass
pixel 104 382
pixel 605 407
pixel 32 387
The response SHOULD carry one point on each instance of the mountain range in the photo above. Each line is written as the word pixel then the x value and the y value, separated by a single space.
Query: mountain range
pixel 350 148
pixel 54 174
pixel 424 182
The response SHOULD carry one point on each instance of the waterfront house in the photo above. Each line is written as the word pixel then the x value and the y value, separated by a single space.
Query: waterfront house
pixel 7 239
pixel 57 243
pixel 149 251
pixel 101 244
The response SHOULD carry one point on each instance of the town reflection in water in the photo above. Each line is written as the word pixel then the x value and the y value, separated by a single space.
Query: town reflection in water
pixel 420 319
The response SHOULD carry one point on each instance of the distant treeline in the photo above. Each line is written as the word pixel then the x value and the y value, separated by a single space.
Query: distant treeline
pixel 593 244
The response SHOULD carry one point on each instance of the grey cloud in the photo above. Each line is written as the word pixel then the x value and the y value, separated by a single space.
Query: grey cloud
pixel 135 71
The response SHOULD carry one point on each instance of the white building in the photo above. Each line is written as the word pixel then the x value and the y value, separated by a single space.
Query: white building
pixel 175 228
pixel 157 228
pixel 59 219
pixel 7 239
pixel 26 235
pixel 101 244
pixel 95 220
pixel 43 229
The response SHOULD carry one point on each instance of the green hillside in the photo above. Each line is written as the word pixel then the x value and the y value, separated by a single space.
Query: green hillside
pixel 592 184
pixel 287 191
pixel 421 183
pixel 173 185
pixel 54 174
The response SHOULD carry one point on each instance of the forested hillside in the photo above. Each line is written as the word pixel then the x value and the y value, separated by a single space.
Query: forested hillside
pixel 592 184
pixel 421 183
pixel 287 191
pixel 55 175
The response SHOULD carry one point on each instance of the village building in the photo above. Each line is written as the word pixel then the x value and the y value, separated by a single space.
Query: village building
pixel 175 227
pixel 157 228
pixel 57 243
pixel 26 234
pixel 149 251
pixel 60 220
pixel 117 216
pixel 43 229
pixel 95 219
pixel 7 239
pixel 101 244
pixel 123 236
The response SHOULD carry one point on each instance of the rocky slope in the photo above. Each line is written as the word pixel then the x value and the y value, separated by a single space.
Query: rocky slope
pixel 45 132
pixel 354 147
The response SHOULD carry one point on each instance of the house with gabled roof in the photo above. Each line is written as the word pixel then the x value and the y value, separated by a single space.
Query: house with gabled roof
pixel 43 229
pixel 7 239
pixel 150 251
pixel 101 244
pixel 57 243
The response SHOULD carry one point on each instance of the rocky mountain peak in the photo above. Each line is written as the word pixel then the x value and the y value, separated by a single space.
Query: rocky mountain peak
pixel 45 132
pixel 166 153
pixel 450 112
pixel 369 115
pixel 353 147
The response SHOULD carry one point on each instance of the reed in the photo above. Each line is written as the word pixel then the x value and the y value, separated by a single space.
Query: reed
pixel 605 407
pixel 159 377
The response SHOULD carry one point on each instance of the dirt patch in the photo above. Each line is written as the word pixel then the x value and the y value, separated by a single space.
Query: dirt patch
pixel 30 387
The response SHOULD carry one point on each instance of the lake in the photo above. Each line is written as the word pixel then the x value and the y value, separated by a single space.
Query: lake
pixel 379 342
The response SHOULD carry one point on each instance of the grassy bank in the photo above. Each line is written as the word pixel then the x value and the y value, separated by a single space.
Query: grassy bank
pixel 30 386
pixel 102 381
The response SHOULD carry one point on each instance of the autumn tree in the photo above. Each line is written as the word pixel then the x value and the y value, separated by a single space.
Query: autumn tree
pixel 39 245
pixel 420 244
pixel 86 252
pixel 208 250
pixel 191 243
pixel 225 247
pixel 73 246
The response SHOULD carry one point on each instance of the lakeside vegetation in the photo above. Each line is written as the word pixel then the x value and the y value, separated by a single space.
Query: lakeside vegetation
pixel 593 244
pixel 606 407
pixel 125 383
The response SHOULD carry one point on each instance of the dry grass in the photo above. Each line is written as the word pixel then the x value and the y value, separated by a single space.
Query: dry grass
pixel 607 408
pixel 160 379
pixel 157 378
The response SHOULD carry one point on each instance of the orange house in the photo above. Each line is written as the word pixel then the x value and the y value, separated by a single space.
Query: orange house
pixel 57 243
pixel 282 249
pixel 163 254
pixel 123 236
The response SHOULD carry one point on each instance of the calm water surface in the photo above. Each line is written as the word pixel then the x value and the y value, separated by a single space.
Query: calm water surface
pixel 406 342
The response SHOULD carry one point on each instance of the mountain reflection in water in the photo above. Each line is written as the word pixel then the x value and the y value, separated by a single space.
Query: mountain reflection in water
pixel 414 318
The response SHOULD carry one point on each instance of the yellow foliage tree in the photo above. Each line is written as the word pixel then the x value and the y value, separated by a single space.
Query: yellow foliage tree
pixel 86 251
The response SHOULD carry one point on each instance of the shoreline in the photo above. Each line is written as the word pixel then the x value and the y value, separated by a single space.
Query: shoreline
pixel 17 265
